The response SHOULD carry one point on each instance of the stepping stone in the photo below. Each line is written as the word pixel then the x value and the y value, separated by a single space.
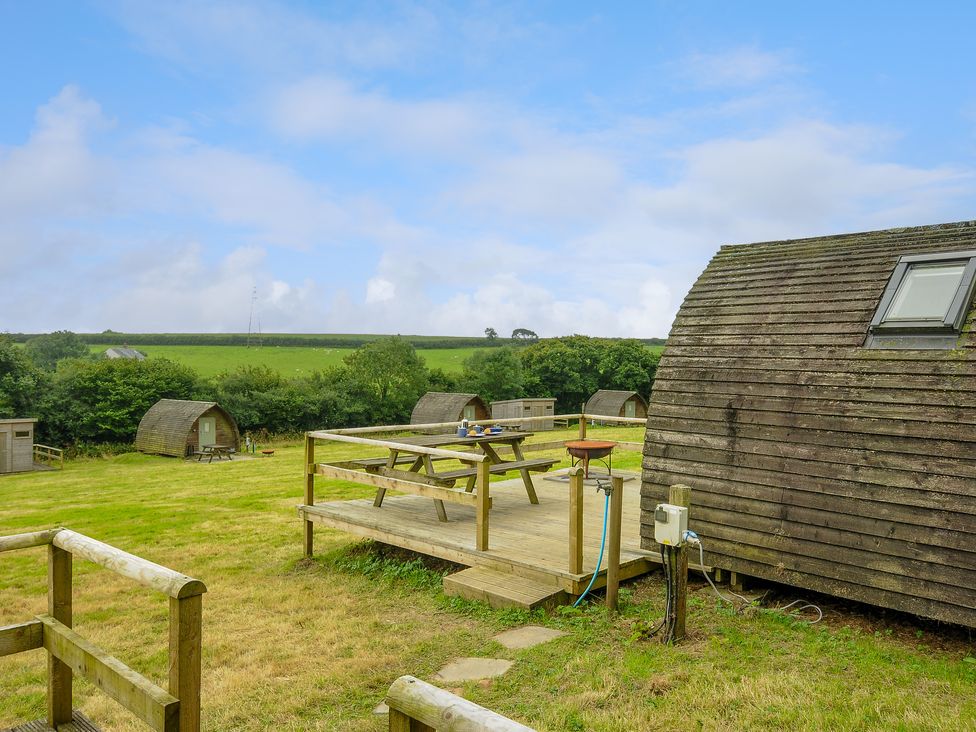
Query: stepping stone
pixel 381 708
pixel 527 636
pixel 473 669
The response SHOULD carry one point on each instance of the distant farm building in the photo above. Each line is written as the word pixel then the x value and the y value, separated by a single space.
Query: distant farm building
pixel 179 427
pixel 16 445
pixel 818 396
pixel 440 406
pixel 129 353
pixel 614 403
pixel 515 408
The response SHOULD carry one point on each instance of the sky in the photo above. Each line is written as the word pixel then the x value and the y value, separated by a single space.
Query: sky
pixel 444 167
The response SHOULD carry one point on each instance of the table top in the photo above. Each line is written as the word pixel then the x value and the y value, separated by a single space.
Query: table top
pixel 453 439
pixel 215 447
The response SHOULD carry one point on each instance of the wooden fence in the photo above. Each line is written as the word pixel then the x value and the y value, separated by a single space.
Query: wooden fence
pixel 416 706
pixel 176 710
pixel 49 455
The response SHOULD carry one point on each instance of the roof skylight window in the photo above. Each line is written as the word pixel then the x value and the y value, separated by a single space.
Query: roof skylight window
pixel 925 302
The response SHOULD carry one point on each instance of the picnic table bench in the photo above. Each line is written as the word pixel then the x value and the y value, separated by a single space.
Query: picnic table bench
pixel 215 451
pixel 486 443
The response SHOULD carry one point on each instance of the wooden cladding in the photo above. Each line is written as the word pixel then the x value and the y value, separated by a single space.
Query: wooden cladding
pixel 815 461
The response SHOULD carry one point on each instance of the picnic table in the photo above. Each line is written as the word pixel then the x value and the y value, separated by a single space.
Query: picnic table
pixel 485 443
pixel 215 451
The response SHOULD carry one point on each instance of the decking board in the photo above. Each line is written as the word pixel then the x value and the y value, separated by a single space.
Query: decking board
pixel 528 540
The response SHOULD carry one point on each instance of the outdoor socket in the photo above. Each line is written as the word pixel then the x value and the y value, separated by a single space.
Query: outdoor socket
pixel 670 524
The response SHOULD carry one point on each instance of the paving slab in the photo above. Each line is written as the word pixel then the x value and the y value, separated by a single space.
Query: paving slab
pixel 473 669
pixel 527 636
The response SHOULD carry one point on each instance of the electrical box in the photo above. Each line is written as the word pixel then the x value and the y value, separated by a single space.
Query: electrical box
pixel 670 524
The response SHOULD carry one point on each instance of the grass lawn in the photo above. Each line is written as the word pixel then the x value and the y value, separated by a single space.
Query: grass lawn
pixel 291 360
pixel 291 646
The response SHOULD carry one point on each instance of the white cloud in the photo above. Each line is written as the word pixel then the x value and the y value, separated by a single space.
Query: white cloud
pixel 737 67
pixel 327 108
pixel 265 37
pixel 379 290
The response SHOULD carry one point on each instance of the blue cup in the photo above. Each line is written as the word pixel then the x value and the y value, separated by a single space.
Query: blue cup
pixel 462 431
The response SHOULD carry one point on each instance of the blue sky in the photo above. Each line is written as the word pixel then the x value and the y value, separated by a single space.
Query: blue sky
pixel 438 168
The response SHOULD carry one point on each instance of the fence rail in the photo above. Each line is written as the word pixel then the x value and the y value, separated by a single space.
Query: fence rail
pixel 175 710
pixel 49 455
pixel 416 706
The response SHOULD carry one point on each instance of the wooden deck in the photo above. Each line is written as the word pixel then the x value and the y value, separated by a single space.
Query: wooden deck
pixel 78 723
pixel 529 541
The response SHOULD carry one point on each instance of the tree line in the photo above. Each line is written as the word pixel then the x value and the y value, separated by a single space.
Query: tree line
pixel 83 401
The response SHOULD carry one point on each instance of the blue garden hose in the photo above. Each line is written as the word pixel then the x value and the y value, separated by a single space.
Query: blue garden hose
pixel 599 561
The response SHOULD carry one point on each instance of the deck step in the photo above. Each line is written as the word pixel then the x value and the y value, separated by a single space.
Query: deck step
pixel 502 589
pixel 79 723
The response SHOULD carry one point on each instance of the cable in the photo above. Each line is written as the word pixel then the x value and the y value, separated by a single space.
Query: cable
pixel 599 561
pixel 692 538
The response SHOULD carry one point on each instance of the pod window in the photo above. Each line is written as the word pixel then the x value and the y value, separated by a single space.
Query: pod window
pixel 925 303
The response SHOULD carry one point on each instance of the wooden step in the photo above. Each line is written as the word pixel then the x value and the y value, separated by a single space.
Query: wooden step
pixel 502 589
pixel 79 723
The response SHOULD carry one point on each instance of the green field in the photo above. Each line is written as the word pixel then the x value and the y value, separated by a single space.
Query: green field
pixel 289 360
pixel 294 646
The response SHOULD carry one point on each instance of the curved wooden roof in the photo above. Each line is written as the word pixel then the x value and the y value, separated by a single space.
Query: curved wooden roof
pixel 816 461
pixel 610 402
pixel 163 430
pixel 442 406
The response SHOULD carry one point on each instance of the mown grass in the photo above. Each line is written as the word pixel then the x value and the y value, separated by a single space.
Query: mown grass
pixel 291 360
pixel 287 360
pixel 291 645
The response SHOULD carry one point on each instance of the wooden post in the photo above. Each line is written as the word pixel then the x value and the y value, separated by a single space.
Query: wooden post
pixel 185 621
pixel 481 539
pixel 400 722
pixel 576 520
pixel 582 421
pixel 58 607
pixel 613 559
pixel 309 489
pixel 680 495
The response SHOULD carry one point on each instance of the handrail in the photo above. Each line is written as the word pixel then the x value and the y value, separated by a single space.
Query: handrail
pixel 441 425
pixel 401 446
pixel 414 701
pixel 128 565
pixel 176 710
pixel 48 454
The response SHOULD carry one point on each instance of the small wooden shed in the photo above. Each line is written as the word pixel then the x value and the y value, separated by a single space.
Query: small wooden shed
pixel 614 403
pixel 442 406
pixel 181 427
pixel 819 397
pixel 515 408
pixel 16 445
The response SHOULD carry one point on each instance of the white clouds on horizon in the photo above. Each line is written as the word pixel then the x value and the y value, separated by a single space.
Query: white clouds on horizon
pixel 537 226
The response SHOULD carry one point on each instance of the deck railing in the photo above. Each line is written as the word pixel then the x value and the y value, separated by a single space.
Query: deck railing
pixel 49 455
pixel 176 710
pixel 418 485
pixel 416 706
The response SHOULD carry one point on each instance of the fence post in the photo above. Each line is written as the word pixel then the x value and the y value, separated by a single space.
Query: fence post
pixel 185 621
pixel 58 607
pixel 613 560
pixel 481 540
pixel 309 489
pixel 680 495
pixel 576 520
